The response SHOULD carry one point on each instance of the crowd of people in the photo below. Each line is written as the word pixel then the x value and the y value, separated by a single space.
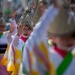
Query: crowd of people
pixel 41 42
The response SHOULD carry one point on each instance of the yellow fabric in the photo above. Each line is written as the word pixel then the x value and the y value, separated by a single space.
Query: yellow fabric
pixel 11 67
pixel 18 59
pixel 31 58
pixel 52 69
pixel 14 67
pixel 4 60
pixel 34 73
pixel 44 50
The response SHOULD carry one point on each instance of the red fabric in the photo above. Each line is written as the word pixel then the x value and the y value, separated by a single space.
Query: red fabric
pixel 23 38
pixel 63 53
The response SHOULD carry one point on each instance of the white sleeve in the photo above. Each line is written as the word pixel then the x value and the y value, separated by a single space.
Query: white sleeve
pixel 9 37
pixel 15 40
pixel 14 32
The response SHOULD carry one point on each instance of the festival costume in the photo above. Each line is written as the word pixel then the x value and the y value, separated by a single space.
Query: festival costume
pixel 41 59
pixel 5 40
pixel 15 54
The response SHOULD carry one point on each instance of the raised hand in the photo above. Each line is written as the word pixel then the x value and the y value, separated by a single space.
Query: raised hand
pixel 12 27
pixel 20 30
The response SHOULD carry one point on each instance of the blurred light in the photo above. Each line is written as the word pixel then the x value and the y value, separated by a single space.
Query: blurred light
pixel 9 0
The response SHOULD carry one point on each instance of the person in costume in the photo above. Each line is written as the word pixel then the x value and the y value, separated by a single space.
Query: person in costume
pixel 3 45
pixel 5 36
pixel 16 48
pixel 13 18
pixel 62 51
pixel 41 59
pixel 40 8
pixel 5 40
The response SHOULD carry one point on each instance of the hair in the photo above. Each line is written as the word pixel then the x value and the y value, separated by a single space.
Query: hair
pixel 73 35
pixel 72 1
pixel 44 2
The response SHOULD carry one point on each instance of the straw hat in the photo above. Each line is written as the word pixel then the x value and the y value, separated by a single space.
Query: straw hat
pixel 63 24
pixel 26 19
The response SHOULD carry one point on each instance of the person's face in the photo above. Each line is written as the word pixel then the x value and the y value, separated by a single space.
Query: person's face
pixel 65 43
pixel 27 31
pixel 41 7
pixel 2 28
pixel 13 15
